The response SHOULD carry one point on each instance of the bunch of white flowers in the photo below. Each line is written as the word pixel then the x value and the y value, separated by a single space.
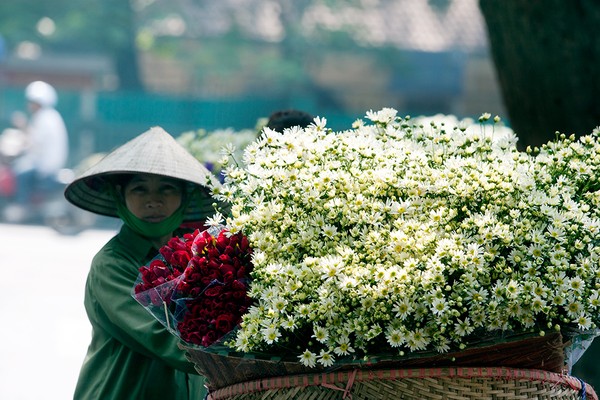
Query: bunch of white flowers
pixel 207 146
pixel 402 235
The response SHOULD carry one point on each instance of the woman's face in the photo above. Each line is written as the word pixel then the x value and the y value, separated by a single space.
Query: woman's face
pixel 152 198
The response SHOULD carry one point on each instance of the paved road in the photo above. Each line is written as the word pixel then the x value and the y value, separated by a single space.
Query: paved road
pixel 44 331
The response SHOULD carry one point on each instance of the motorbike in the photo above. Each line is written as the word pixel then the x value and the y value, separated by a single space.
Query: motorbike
pixel 47 206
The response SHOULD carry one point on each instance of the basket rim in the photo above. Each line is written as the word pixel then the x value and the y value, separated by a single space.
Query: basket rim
pixel 348 377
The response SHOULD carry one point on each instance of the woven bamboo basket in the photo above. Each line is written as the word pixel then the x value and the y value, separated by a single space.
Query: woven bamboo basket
pixel 521 366
pixel 523 351
pixel 418 384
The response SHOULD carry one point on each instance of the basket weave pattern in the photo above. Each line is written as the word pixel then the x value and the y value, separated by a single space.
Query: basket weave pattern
pixel 425 384
pixel 543 353
pixel 523 367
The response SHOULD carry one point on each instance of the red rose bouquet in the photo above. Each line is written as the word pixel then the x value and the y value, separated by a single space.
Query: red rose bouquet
pixel 197 285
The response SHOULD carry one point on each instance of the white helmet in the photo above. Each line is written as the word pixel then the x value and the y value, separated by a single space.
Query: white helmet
pixel 41 93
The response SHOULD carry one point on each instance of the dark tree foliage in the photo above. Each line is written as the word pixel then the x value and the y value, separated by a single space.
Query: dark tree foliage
pixel 83 26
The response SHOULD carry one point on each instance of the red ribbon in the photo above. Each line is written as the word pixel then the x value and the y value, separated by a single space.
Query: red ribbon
pixel 347 394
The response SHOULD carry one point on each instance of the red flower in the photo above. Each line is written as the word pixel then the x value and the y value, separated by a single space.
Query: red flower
pixel 181 258
pixel 211 274
pixel 151 288
pixel 226 322
pixel 213 291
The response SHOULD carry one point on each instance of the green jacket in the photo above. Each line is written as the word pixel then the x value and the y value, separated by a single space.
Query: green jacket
pixel 131 356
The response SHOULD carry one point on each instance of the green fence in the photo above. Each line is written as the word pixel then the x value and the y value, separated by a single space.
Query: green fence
pixel 98 122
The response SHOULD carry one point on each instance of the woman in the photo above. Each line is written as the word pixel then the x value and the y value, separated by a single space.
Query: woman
pixel 153 184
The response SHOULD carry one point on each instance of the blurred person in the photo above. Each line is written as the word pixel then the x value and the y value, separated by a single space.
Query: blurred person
pixel 153 185
pixel 12 144
pixel 283 119
pixel 46 151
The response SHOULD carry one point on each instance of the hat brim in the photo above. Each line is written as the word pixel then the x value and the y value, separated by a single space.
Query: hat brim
pixel 154 152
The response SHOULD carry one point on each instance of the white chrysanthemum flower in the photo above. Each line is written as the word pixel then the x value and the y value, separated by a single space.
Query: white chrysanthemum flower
pixel 442 345
pixel 242 343
pixel 320 123
pixel 395 337
pixel 278 303
pixel 448 233
pixel 308 358
pixel 584 322
pixel 384 116
pixel 574 309
pixel 271 334
pixel 439 306
pixel 228 150
pixel 463 327
pixel 402 308
pixel 289 323
pixel 320 334
pixel 216 220
pixel 594 299
pixel 326 358
pixel 417 339
pixel 343 347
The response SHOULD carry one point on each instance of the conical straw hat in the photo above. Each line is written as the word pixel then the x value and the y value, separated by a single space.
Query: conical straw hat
pixel 153 152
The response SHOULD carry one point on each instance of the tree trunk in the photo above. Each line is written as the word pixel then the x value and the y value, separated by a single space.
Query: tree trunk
pixel 546 54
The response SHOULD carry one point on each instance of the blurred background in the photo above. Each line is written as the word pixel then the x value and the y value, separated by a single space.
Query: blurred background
pixel 122 66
